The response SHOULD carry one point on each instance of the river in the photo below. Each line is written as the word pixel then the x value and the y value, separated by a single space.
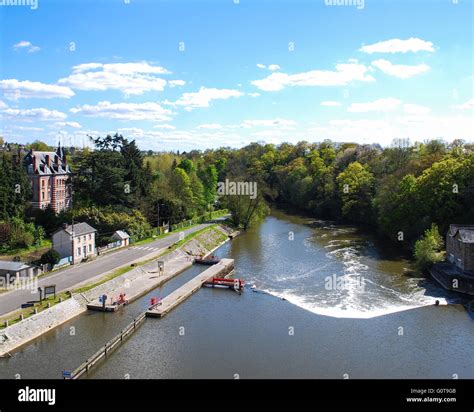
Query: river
pixel 329 302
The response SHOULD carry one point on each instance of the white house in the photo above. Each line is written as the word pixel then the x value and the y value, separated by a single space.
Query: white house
pixel 76 241
pixel 122 237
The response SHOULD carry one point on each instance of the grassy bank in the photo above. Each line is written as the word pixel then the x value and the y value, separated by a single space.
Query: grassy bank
pixel 15 317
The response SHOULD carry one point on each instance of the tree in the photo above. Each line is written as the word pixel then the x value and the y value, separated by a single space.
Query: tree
pixel 427 249
pixel 209 179
pixel 51 257
pixel 356 186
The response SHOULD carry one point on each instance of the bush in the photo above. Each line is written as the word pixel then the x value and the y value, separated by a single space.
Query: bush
pixel 107 220
pixel 50 257
pixel 427 249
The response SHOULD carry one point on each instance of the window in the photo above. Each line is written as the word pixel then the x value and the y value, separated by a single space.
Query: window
pixel 78 251
pixel 90 248
pixel 90 236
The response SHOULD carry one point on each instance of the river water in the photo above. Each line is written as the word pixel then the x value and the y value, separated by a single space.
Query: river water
pixel 328 302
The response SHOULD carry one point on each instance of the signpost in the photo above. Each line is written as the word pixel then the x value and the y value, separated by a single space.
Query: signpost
pixel 49 290
pixel 161 267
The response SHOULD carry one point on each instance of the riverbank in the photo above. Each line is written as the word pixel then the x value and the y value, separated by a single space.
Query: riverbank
pixel 136 282
pixel 325 333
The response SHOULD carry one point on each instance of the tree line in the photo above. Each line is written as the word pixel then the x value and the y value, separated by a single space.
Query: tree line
pixel 398 192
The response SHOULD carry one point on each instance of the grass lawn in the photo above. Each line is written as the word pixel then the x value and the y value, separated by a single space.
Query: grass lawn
pixel 28 254
pixel 27 312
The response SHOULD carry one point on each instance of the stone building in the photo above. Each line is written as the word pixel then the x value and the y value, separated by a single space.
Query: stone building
pixel 49 173
pixel 460 247
pixel 76 241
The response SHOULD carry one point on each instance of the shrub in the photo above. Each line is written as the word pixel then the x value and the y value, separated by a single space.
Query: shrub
pixel 427 249
pixel 50 257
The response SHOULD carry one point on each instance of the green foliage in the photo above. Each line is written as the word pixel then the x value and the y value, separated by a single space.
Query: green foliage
pixel 108 219
pixel 50 257
pixel 15 190
pixel 18 234
pixel 427 249
pixel 112 175
pixel 356 188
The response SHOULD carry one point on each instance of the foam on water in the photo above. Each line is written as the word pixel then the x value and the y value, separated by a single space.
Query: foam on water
pixel 366 293
pixel 347 311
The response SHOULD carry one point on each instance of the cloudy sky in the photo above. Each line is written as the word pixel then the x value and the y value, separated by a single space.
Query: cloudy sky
pixel 186 74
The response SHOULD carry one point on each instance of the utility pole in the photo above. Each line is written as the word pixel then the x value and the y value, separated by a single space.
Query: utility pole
pixel 158 207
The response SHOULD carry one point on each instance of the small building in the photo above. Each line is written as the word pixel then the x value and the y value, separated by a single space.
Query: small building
pixel 11 271
pixel 76 241
pixel 460 246
pixel 122 237
pixel 457 273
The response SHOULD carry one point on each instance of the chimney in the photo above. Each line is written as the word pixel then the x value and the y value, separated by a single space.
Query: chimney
pixel 48 160
pixel 35 164
pixel 65 226
pixel 56 160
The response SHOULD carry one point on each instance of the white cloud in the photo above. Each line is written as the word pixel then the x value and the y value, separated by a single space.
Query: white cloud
pixel 74 125
pixel 383 131
pixel 210 126
pixel 399 70
pixel 416 109
pixel 388 105
pixel 24 44
pixel 34 114
pixel 121 68
pixel 256 94
pixel 204 96
pixel 469 105
pixel 343 75
pixel 130 78
pixel 399 46
pixel 15 89
pixel 25 128
pixel 174 83
pixel 276 123
pixel 380 105
pixel 330 103
pixel 273 67
pixel 3 105
pixel 125 111
pixel 261 66
pixel 130 132
pixel 164 126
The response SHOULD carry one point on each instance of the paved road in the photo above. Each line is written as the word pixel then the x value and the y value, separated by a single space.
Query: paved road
pixel 67 278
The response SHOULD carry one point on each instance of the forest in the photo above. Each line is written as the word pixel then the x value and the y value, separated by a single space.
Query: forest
pixel 398 192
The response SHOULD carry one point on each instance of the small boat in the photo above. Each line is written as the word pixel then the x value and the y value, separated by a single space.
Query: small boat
pixel 210 260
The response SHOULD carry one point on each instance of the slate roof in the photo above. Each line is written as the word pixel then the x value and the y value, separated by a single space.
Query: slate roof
pixel 120 234
pixel 13 266
pixel 42 165
pixel 79 229
pixel 466 232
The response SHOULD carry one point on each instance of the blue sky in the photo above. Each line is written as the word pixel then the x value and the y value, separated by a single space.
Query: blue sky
pixel 201 74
